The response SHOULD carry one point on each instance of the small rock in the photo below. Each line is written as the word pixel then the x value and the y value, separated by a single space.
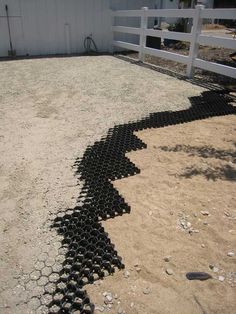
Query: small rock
pixel 109 306
pixel 138 269
pixel 221 278
pixel 203 245
pixel 100 308
pixel 116 296
pixel 204 213
pixel 205 223
pixel 171 213
pixel 146 290
pixel 133 288
pixel 105 293
pixel 231 254
pixel 126 274
pixel 167 258
pixel 227 214
pixel 150 213
pixel 108 298
pixel 136 263
pixel 188 224
pixel 132 304
pixel 195 215
pixel 97 283
pixel 169 271
pixel 120 311
pixel 214 268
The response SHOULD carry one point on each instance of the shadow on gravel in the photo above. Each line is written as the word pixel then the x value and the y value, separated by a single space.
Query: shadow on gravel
pixel 205 83
pixel 89 254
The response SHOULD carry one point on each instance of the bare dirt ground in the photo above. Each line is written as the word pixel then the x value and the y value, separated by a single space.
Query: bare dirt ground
pixel 50 110
pixel 183 219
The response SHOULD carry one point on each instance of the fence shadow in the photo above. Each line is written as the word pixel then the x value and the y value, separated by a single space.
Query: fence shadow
pixel 195 81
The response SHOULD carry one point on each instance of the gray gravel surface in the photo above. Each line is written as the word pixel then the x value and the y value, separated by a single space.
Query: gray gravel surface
pixel 50 110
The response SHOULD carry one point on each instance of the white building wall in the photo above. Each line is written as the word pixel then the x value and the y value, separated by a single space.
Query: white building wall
pixel 38 27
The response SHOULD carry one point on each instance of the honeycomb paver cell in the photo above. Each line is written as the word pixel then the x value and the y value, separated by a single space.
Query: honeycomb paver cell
pixel 86 253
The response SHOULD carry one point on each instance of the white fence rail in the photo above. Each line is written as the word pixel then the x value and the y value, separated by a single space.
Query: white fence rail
pixel 195 38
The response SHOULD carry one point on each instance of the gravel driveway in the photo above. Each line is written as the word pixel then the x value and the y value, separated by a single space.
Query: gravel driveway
pixel 50 110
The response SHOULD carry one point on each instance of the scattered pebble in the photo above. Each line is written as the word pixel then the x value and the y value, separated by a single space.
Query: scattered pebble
pixel 188 224
pixel 126 274
pixel 221 278
pixel 136 263
pixel 146 290
pixel 214 268
pixel 109 298
pixel 203 245
pixel 133 288
pixel 191 231
pixel 205 222
pixel 97 283
pixel 167 258
pixel 195 215
pixel 100 308
pixel 185 224
pixel 169 271
pixel 204 213
pixel 231 254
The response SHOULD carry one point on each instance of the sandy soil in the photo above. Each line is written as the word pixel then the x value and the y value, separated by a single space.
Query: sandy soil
pixel 50 110
pixel 183 210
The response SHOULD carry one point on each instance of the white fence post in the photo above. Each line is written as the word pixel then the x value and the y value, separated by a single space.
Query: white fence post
pixel 196 31
pixel 142 41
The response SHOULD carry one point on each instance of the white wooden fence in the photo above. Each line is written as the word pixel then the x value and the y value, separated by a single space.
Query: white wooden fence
pixel 195 37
